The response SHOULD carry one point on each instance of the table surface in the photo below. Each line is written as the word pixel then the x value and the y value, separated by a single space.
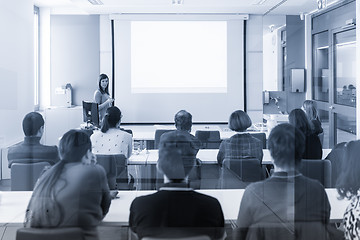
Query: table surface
pixel 13 204
pixel 147 132
pixel 207 156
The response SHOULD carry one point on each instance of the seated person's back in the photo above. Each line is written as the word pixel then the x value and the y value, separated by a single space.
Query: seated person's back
pixel 176 210
pixel 74 192
pixel 241 145
pixel 286 198
pixel 30 150
pixel 112 140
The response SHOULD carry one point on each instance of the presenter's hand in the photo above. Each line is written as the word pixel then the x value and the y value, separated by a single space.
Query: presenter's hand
pixel 110 101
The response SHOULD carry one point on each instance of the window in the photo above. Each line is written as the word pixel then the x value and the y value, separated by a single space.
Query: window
pixel 36 58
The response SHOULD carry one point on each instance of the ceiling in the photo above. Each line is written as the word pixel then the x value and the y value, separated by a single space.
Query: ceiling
pixel 288 7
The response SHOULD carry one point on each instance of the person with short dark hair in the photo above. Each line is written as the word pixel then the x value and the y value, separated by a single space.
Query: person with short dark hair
pixel 287 199
pixel 102 96
pixel 111 139
pixel 72 193
pixel 176 210
pixel 242 144
pixel 183 124
pixel 348 186
pixel 313 148
pixel 31 150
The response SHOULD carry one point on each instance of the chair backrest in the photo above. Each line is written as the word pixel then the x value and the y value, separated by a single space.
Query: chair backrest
pixel 336 157
pixel 25 175
pixel 317 169
pixel 260 136
pixel 201 237
pixel 286 231
pixel 73 233
pixel 247 169
pixel 321 137
pixel 209 139
pixel 158 134
pixel 115 166
pixel 127 130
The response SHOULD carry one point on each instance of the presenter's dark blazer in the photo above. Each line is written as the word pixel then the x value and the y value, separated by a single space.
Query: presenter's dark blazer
pixel 31 151
pixel 176 211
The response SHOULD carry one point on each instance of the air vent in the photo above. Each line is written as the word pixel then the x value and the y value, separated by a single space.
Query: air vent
pixel 95 2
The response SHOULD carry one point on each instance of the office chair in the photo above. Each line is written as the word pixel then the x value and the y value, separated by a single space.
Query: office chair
pixel 209 139
pixel 158 134
pixel 317 169
pixel 73 233
pixel 239 172
pixel 260 136
pixel 284 231
pixel 201 237
pixel 115 166
pixel 25 175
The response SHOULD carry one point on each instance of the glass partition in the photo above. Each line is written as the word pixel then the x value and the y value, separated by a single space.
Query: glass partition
pixel 320 82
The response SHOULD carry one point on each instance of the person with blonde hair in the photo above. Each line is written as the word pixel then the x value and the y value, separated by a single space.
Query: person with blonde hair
pixel 313 116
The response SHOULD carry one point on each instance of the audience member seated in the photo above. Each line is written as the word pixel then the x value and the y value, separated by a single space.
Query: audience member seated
pixel 313 148
pixel 183 124
pixel 287 198
pixel 72 193
pixel 242 144
pixel 30 150
pixel 313 116
pixel 348 186
pixel 112 140
pixel 176 210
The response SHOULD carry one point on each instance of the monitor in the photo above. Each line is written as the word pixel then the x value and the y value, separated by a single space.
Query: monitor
pixel 91 113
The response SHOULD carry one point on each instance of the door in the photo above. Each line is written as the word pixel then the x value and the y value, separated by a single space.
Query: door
pixel 334 83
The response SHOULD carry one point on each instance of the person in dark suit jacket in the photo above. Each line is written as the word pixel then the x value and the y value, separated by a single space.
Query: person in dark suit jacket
pixel 176 210
pixel 287 200
pixel 183 124
pixel 30 150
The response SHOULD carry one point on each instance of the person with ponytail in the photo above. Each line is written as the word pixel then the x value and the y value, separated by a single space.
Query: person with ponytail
pixel 102 96
pixel 72 193
pixel 111 139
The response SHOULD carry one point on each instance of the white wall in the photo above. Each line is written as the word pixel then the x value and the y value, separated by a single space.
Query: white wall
pixel 16 67
pixel 75 56
pixel 254 67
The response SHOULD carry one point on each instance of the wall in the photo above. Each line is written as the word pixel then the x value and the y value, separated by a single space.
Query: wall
pixel 75 56
pixel 16 68
pixel 295 46
pixel 254 67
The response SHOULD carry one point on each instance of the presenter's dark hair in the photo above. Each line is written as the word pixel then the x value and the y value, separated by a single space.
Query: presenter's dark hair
pixel 101 77
pixel 298 119
pixel 348 182
pixel 43 209
pixel 239 121
pixel 111 118
pixel 286 145
pixel 183 120
pixel 31 124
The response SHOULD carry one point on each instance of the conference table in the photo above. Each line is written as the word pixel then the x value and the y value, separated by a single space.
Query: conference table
pixel 147 132
pixel 207 156
pixel 13 205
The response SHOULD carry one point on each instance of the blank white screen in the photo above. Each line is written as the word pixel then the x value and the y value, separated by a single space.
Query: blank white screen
pixel 153 106
pixel 179 56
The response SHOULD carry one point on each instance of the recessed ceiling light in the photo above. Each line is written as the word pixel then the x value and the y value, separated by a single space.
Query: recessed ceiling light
pixel 259 2
pixel 95 2
pixel 177 2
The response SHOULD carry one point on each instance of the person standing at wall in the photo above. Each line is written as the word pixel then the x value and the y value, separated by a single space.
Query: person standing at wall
pixel 102 96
